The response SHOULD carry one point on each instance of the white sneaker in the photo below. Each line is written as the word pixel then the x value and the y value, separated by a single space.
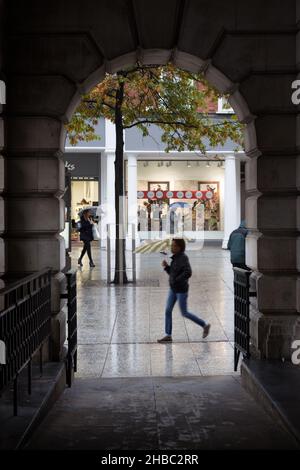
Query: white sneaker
pixel 206 330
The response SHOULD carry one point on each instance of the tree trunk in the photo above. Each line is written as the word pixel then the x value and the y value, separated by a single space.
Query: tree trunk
pixel 120 261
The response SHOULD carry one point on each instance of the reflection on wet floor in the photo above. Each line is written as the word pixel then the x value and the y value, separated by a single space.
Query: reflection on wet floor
pixel 119 326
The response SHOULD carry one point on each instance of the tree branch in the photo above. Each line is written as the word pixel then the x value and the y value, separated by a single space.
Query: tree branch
pixel 168 123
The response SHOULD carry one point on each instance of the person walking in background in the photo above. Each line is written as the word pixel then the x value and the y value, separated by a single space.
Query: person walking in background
pixel 237 246
pixel 179 272
pixel 86 236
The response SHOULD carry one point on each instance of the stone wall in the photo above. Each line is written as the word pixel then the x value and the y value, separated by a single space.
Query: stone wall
pixel 59 50
pixel 2 213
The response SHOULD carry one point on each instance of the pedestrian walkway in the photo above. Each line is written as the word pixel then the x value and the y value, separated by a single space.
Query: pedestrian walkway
pixel 132 393
pixel 119 326
pixel 159 413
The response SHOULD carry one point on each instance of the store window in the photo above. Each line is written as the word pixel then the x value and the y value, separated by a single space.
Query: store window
pixel 202 197
pixel 211 205
pixel 84 194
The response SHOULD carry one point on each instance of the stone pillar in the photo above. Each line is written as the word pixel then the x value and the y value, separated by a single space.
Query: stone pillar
pixel 272 246
pixel 2 212
pixel 2 166
pixel 232 199
pixel 132 192
pixel 35 184
pixel 35 218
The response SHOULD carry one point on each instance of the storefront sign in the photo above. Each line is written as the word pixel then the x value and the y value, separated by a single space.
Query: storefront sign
pixel 84 178
pixel 204 195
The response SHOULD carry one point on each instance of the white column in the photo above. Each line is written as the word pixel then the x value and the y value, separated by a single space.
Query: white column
pixel 132 190
pixel 110 186
pixel 103 187
pixel 110 136
pixel 232 196
pixel 108 180
pixel 107 192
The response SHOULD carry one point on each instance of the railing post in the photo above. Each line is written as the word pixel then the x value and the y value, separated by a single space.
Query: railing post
pixel 133 227
pixel 41 359
pixel 71 297
pixel 108 255
pixel 16 395
pixel 120 254
pixel 32 327
pixel 29 376
pixel 241 314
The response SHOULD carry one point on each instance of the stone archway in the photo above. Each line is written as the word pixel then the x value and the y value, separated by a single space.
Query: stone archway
pixel 57 52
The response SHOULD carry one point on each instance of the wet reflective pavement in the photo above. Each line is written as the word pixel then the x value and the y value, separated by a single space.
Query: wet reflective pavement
pixel 132 393
pixel 119 325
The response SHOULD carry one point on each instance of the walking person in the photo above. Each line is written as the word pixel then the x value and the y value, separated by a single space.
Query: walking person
pixel 86 236
pixel 179 272
pixel 237 246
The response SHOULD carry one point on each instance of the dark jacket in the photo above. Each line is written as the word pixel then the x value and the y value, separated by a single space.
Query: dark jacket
pixel 236 245
pixel 179 272
pixel 86 230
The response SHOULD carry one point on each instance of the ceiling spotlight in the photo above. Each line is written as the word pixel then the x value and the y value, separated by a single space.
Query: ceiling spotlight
pixel 188 164
pixel 208 164
pixel 146 164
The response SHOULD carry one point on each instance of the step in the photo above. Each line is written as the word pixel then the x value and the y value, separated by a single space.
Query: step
pixel 46 389
pixel 276 385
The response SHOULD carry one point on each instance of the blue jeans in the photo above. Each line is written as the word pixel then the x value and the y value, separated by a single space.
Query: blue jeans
pixel 182 300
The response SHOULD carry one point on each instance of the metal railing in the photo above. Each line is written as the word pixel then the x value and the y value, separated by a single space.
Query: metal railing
pixel 71 296
pixel 242 296
pixel 25 325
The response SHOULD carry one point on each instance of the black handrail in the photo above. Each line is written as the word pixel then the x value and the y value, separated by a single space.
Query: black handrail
pixel 25 325
pixel 71 296
pixel 242 296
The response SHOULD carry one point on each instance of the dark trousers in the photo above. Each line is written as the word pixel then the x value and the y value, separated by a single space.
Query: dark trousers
pixel 86 249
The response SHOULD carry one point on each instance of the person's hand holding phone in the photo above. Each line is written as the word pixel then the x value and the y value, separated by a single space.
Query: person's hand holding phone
pixel 164 263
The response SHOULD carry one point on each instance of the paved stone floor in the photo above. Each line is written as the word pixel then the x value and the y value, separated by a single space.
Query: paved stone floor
pixel 119 326
pixel 132 393
pixel 159 413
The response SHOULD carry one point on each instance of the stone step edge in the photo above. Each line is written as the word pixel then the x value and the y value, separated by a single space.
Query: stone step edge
pixel 56 389
pixel 256 389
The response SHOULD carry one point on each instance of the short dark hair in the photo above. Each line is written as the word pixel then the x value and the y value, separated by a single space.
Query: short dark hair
pixel 180 242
